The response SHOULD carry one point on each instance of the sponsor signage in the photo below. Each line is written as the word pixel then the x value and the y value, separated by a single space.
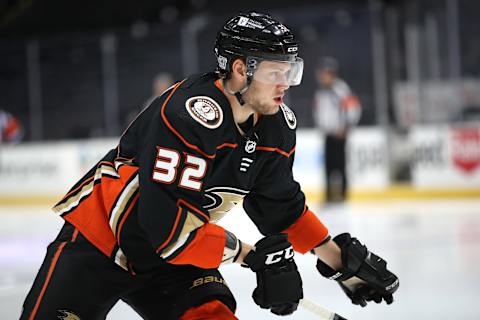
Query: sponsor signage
pixel 446 157
pixel 367 159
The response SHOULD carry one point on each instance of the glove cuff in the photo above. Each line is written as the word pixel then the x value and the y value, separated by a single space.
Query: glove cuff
pixel 353 252
pixel 338 275
pixel 248 260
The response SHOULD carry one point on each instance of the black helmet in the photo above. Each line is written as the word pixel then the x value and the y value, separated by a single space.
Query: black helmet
pixel 254 35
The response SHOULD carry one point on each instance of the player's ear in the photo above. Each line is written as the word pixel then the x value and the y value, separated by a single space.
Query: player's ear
pixel 239 69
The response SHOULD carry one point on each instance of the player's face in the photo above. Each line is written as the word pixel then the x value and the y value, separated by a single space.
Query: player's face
pixel 268 87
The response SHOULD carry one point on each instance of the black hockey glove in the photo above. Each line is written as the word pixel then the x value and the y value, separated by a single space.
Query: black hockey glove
pixel 279 286
pixel 364 276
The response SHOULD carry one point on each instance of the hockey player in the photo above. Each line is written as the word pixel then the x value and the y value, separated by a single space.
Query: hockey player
pixel 140 225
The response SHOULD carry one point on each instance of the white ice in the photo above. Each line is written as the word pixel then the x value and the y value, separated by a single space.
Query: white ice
pixel 433 246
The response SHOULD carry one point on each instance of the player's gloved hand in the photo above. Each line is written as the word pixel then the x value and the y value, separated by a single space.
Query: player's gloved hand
pixel 279 285
pixel 364 276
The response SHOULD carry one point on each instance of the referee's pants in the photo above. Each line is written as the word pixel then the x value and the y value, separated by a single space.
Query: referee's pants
pixel 335 169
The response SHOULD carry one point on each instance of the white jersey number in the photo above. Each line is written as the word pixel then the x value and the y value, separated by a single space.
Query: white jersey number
pixel 193 174
pixel 166 168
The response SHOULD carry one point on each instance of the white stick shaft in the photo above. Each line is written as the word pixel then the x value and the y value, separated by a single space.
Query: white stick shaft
pixel 320 311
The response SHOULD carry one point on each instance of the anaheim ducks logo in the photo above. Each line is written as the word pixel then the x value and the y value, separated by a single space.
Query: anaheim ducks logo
pixel 222 200
pixel 205 110
pixel 289 116
pixel 67 315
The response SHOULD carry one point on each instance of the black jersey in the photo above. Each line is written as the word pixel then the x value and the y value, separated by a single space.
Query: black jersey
pixel 179 167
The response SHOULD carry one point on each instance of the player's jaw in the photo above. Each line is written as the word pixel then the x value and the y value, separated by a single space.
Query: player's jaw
pixel 265 99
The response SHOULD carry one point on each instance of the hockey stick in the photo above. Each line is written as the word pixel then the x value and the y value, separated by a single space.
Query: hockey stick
pixel 320 311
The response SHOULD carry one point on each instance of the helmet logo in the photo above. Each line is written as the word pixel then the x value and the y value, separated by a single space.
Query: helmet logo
pixel 292 49
pixel 243 21
pixel 205 111
pixel 249 23
pixel 222 62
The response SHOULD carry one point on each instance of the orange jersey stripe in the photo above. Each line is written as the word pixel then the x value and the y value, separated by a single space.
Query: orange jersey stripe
pixel 228 145
pixel 283 153
pixel 169 125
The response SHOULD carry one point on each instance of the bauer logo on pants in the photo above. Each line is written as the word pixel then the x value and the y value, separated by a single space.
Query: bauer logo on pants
pixel 205 110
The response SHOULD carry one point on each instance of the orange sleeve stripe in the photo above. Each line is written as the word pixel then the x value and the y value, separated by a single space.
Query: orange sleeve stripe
pixel 206 250
pixel 169 125
pixel 47 280
pixel 283 153
pixel 307 232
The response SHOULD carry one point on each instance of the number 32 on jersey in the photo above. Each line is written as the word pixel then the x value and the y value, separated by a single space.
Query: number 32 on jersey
pixel 166 165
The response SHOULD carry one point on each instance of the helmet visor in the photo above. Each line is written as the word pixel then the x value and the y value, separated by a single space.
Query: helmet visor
pixel 275 71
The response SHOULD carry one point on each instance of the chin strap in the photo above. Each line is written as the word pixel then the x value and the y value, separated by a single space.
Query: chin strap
pixel 239 97
pixel 240 92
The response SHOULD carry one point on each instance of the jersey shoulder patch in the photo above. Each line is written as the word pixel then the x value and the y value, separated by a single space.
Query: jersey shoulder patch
pixel 289 116
pixel 205 111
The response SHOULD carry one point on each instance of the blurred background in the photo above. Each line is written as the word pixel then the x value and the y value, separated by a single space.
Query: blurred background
pixel 73 74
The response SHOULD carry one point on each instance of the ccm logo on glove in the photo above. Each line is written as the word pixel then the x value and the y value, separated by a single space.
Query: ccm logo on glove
pixel 276 257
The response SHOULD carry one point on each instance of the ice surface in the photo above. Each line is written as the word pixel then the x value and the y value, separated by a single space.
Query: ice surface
pixel 433 246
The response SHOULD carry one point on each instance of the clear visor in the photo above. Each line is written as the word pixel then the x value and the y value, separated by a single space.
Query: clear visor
pixel 275 71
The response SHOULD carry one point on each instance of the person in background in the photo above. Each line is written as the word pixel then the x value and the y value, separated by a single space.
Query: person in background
pixel 336 111
pixel 161 82
pixel 10 128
